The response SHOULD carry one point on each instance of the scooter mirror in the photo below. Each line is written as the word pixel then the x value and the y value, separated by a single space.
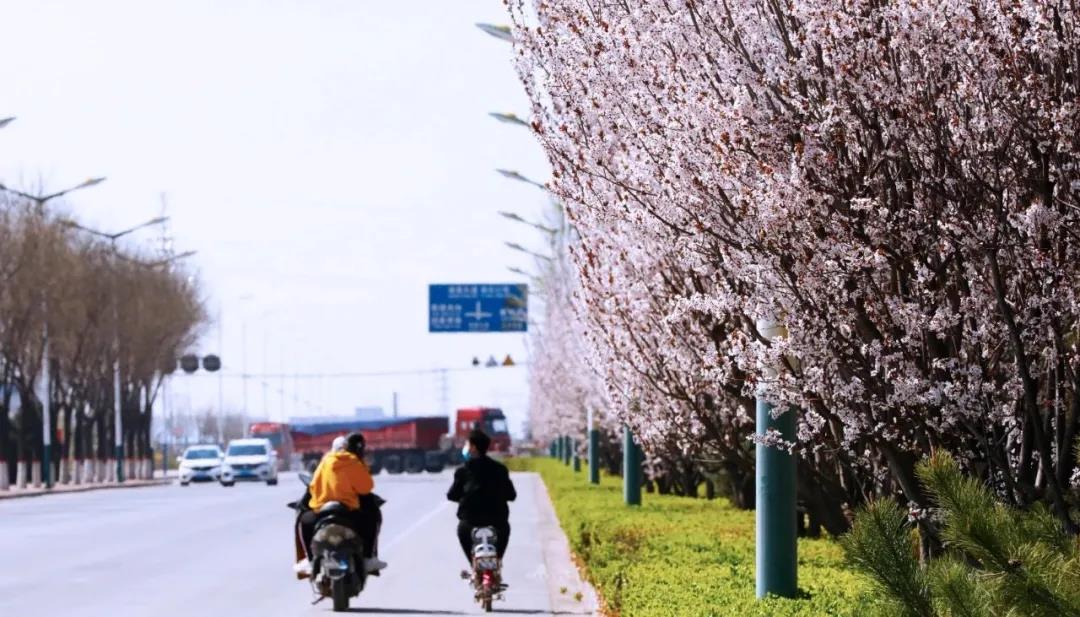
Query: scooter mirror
pixel 305 477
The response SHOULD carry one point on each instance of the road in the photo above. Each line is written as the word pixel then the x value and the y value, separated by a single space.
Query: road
pixel 205 550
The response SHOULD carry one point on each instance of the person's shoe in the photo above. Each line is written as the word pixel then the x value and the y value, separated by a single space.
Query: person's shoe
pixel 374 564
pixel 302 567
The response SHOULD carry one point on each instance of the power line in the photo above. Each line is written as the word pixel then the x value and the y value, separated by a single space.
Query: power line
pixel 348 375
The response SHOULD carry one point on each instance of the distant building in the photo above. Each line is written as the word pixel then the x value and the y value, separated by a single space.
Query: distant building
pixel 369 413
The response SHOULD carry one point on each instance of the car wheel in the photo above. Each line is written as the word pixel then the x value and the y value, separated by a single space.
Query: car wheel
pixel 271 482
pixel 227 484
pixel 184 483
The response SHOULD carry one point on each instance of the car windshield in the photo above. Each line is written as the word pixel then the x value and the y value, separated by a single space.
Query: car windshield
pixel 201 454
pixel 497 426
pixel 247 450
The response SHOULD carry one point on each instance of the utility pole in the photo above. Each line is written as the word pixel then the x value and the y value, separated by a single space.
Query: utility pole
pixel 444 390
pixel 395 404
pixel 221 377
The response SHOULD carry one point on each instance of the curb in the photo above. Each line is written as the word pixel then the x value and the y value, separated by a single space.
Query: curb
pixel 563 577
pixel 83 489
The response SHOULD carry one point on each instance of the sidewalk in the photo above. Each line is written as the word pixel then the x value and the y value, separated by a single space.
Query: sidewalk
pixel 59 489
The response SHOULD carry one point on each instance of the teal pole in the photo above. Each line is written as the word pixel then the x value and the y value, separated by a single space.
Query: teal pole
pixel 631 469
pixel 566 450
pixel 577 459
pixel 559 447
pixel 553 449
pixel 594 456
pixel 777 548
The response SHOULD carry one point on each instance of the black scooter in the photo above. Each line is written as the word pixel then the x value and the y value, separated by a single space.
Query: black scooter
pixel 337 550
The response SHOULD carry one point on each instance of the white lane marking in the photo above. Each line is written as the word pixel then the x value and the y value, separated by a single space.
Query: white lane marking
pixel 416 525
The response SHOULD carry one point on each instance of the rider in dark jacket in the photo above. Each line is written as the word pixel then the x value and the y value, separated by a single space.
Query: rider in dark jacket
pixel 482 488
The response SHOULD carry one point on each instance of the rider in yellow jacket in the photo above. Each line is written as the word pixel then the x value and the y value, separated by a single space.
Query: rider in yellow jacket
pixel 342 476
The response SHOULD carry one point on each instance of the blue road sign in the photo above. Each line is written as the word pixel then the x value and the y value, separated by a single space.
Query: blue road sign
pixel 478 308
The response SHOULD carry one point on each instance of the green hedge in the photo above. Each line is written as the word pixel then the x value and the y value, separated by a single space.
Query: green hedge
pixel 678 556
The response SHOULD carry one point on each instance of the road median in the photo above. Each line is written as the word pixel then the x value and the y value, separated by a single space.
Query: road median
pixel 64 489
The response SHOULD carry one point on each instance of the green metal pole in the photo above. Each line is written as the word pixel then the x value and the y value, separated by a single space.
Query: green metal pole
pixel 594 456
pixel 577 458
pixel 553 449
pixel 777 548
pixel 631 469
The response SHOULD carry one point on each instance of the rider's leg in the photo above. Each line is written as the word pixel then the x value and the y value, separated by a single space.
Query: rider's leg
pixel 306 524
pixel 503 539
pixel 364 524
pixel 464 534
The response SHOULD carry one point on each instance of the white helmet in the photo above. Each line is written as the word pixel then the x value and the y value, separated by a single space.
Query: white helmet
pixel 338 445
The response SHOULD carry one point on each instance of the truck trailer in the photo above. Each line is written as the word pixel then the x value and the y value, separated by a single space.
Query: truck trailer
pixel 408 444
pixel 413 444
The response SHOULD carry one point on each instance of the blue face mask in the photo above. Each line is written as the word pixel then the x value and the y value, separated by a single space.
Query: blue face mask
pixel 465 452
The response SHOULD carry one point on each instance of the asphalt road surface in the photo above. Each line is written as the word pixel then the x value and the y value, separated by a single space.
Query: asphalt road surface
pixel 209 551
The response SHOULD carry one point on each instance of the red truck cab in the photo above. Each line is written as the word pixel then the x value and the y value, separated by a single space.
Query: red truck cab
pixel 488 419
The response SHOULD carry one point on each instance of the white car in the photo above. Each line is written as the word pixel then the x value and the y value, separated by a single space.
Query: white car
pixel 249 460
pixel 201 464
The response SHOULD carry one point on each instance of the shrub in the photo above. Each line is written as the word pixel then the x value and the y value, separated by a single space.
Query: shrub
pixel 684 556
pixel 998 560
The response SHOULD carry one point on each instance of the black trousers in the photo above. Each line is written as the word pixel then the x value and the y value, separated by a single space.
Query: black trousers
pixel 464 534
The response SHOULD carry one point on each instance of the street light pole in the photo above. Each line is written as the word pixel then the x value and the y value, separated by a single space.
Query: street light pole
pixel 776 529
pixel 113 238
pixel 46 380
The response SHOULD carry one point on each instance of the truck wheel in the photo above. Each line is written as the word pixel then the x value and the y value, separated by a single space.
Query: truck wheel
pixel 414 463
pixel 392 464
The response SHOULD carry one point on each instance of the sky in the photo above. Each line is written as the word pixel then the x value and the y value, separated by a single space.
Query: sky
pixel 327 160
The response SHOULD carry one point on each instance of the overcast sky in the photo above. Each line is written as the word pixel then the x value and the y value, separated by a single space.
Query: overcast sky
pixel 328 159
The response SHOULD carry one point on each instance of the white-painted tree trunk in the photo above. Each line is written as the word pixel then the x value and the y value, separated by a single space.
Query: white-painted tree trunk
pixel 3 476
pixel 35 474
pixel 20 474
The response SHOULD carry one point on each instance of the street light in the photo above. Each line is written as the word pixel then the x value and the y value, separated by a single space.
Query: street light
pixel 518 219
pixel 518 247
pixel 46 380
pixel 503 33
pixel 40 200
pixel 118 433
pixel 513 175
pixel 509 118
pixel 113 237
pixel 160 262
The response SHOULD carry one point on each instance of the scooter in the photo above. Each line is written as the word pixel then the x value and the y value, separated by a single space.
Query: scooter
pixel 337 551
pixel 486 575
